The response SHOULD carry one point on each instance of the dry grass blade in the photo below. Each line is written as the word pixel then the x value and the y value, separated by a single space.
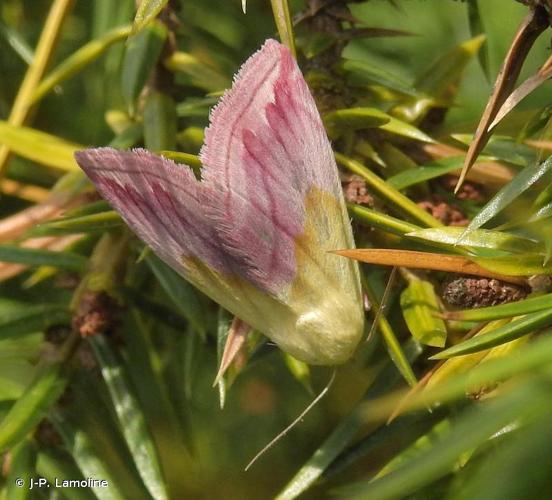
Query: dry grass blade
pixel 531 27
pixel 539 144
pixel 26 192
pixel 13 226
pixel 424 260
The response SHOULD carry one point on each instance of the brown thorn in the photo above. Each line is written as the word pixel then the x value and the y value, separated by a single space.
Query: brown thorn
pixel 531 27
pixel 237 336
pixel 425 260
pixel 528 86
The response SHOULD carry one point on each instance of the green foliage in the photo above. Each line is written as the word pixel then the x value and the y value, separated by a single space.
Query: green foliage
pixel 107 356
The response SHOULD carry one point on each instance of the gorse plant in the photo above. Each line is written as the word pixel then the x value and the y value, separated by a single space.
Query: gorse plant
pixel 438 118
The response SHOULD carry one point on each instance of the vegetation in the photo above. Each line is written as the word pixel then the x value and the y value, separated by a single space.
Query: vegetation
pixel 107 356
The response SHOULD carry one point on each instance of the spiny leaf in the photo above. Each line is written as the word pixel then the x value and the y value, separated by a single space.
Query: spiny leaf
pixel 299 370
pixel 98 222
pixel 464 364
pixel 224 322
pixel 419 305
pixel 81 447
pixel 88 209
pixel 37 257
pixel 396 352
pixel 477 425
pixel 446 71
pixel 525 264
pixel 503 148
pixel 479 238
pixel 529 30
pixel 345 431
pixel 282 17
pixel 31 407
pixel 146 13
pixel 183 295
pixel 426 172
pixel 395 198
pixel 341 120
pixel 380 220
pixel 142 52
pixel 131 418
pixel 80 59
pixel 513 330
pixel 193 107
pixel 22 107
pixel 476 29
pixel 199 73
pixel 526 306
pixel 33 318
pixel 17 43
pixel 426 260
pixel 39 146
pixel 529 441
pixel 400 431
pixel 522 181
pixel 159 122
pixel 21 468
pixel 192 161
pixel 528 86
pixel 362 72
pixel 359 118
pixel 439 83
pixel 51 464
pixel 16 374
pixel 423 443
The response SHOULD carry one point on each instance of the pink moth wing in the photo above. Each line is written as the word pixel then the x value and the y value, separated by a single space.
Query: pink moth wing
pixel 247 234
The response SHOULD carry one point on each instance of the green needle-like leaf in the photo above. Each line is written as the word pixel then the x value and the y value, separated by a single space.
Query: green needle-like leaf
pixel 344 432
pixel 131 418
pixel 39 146
pixel 79 444
pixel 395 198
pixel 530 305
pixel 419 305
pixel 33 318
pixel 22 463
pixel 521 182
pixel 52 465
pixel 80 59
pixel 93 223
pixel 37 257
pixel 147 12
pixel 31 407
pixel 478 238
pixel 476 426
pixel 380 220
pixel 359 118
pixel 511 331
pixel 182 294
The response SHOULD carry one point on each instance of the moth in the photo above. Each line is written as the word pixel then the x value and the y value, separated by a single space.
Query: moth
pixel 254 233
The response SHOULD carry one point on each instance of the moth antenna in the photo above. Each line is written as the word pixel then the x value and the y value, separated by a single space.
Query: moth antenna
pixel 383 303
pixel 311 405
